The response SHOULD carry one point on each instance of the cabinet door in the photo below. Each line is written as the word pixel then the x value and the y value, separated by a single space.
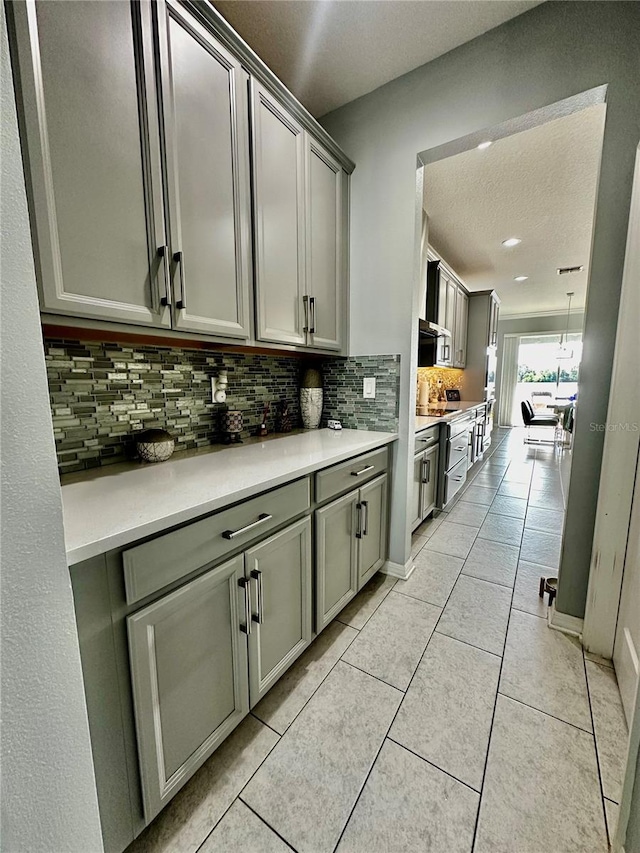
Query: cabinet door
pixel 279 572
pixel 336 557
pixel 92 142
pixel 204 107
pixel 416 491
pixel 460 338
pixel 492 338
pixel 324 279
pixel 429 475
pixel 189 675
pixel 452 290
pixel 372 530
pixel 278 186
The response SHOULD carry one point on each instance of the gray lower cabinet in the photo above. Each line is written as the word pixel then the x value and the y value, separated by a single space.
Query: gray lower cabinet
pixel 205 127
pixel 92 142
pixel 372 533
pixel 279 573
pixel 188 659
pixel 425 484
pixel 203 655
pixel 351 545
pixel 336 557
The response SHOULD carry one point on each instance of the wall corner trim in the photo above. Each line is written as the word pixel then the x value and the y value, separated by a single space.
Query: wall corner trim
pixel 564 622
pixel 403 571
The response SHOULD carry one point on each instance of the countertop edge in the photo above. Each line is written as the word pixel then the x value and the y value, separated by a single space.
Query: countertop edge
pixel 126 537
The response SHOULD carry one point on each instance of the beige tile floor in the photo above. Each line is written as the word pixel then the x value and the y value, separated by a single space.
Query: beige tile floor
pixel 434 715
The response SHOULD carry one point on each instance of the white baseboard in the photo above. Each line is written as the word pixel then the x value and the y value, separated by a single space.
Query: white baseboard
pixel 399 570
pixel 564 622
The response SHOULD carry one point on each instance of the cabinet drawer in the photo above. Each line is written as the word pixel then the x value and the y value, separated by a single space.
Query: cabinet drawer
pixel 350 474
pixel 426 438
pixel 457 449
pixel 155 564
pixel 454 480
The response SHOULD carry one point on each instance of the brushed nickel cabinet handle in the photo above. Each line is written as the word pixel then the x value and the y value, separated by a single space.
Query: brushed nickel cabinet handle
pixel 363 470
pixel 246 586
pixel 257 576
pixel 231 534
pixel 358 521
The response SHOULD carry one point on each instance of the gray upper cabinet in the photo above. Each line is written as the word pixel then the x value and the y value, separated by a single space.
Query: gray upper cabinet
pixel 324 256
pixel 299 231
pixel 87 82
pixel 278 187
pixel 450 313
pixel 188 659
pixel 278 571
pixel 204 112
pixel 372 529
pixel 460 329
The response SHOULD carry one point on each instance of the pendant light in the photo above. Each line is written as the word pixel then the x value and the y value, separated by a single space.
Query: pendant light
pixel 564 351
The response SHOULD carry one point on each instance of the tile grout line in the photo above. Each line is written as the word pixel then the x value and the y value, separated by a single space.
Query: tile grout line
pixel 237 797
pixel 386 736
pixel 266 823
pixel 495 704
pixel 546 713
pixel 280 736
pixel 595 747
pixel 431 764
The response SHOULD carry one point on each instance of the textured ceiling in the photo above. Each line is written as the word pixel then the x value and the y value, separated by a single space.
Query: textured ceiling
pixel 538 185
pixel 329 52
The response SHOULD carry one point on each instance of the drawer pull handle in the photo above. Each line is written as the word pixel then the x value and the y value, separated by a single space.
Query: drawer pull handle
pixel 363 470
pixel 457 479
pixel 246 586
pixel 257 576
pixel 462 447
pixel 231 534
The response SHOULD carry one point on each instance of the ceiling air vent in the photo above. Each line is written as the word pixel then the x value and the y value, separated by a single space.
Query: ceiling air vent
pixel 567 270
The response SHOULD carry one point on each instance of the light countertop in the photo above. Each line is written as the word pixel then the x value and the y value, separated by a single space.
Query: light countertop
pixel 426 420
pixel 116 505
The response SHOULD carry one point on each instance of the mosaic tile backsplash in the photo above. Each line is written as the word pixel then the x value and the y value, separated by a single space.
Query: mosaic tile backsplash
pixel 102 394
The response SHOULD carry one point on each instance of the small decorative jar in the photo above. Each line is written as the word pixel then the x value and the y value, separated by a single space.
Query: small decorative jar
pixel 311 398
pixel 155 445
pixel 232 425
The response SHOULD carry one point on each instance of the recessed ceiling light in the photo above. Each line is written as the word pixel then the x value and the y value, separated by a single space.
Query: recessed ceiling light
pixel 484 145
pixel 521 278
pixel 512 241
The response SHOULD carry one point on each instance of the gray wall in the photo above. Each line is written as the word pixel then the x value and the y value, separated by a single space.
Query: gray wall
pixel 48 791
pixel 552 52
pixel 531 325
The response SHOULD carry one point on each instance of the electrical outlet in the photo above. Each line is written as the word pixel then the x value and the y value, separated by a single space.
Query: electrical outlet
pixel 369 388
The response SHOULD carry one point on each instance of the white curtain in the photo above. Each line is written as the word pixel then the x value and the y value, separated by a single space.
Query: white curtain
pixel 508 379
